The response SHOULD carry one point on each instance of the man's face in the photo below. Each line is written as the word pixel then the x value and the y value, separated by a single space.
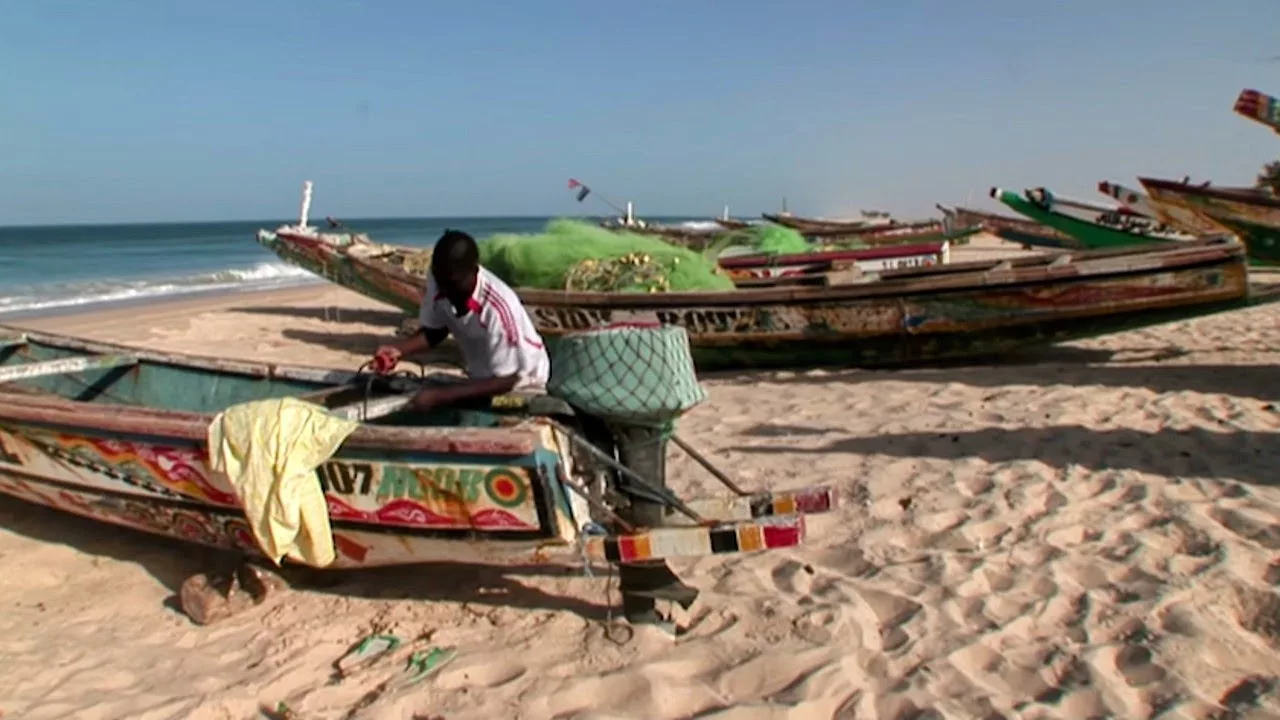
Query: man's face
pixel 456 284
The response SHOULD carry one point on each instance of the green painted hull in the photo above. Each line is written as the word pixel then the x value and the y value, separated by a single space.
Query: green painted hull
pixel 1089 235
pixel 1263 241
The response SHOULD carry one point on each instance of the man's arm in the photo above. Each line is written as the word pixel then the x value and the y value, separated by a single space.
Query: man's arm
pixel 424 339
pixel 465 390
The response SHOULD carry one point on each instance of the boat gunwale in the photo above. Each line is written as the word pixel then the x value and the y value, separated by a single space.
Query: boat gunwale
pixel 1024 225
pixel 1212 193
pixel 984 274
pixel 25 408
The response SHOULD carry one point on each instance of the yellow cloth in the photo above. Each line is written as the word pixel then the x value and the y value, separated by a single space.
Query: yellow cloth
pixel 269 450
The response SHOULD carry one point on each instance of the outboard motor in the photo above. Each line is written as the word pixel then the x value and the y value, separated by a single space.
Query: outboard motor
pixel 629 383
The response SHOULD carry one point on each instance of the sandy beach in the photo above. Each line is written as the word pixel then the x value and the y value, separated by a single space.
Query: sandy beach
pixel 1089 531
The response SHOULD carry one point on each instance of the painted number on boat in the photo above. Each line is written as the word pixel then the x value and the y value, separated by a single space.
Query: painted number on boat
pixel 346 478
pixel 502 486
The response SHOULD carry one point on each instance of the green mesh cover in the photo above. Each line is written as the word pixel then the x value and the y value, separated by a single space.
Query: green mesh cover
pixel 572 255
pixel 639 374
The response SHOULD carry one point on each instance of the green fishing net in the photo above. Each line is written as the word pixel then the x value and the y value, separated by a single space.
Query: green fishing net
pixel 762 238
pixel 572 255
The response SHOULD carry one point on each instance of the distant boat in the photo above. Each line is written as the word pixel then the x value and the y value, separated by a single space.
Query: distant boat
pixel 871 220
pixel 1094 226
pixel 1010 229
pixel 1168 213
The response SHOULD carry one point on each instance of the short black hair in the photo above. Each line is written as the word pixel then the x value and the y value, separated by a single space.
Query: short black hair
pixel 455 250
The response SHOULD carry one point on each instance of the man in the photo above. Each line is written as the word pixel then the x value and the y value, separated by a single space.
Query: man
pixel 502 350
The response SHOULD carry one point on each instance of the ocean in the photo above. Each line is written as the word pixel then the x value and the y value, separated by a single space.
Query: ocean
pixel 56 269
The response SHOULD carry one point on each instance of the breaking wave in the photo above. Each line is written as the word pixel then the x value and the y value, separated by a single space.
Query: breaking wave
pixel 263 276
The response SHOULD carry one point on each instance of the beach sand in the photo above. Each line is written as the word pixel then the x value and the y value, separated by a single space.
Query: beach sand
pixel 1093 531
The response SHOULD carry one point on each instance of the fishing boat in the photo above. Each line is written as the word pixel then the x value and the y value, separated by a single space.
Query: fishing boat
pixel 757 270
pixel 829 227
pixel 118 434
pixel 893 317
pixel 728 223
pixel 1251 214
pixel 1010 229
pixel 1168 213
pixel 1093 226
pixel 1259 107
pixel 923 231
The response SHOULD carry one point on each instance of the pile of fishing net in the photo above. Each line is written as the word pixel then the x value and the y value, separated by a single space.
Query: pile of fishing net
pixel 763 238
pixel 572 255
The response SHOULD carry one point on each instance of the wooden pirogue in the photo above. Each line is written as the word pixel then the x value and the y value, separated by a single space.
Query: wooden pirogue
pixel 889 318
pixel 118 434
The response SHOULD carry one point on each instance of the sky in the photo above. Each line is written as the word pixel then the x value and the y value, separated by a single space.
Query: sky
pixel 123 111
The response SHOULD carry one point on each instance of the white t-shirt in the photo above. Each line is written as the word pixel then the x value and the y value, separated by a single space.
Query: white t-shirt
pixel 496 334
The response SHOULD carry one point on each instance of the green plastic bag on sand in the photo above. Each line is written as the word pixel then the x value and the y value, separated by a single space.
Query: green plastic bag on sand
pixel 573 255
pixel 639 374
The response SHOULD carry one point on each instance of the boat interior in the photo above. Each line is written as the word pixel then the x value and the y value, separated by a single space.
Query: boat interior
pixel 37 365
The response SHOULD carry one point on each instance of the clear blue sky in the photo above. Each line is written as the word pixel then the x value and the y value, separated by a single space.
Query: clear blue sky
pixel 168 110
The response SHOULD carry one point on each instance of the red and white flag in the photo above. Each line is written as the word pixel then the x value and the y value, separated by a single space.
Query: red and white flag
pixel 583 190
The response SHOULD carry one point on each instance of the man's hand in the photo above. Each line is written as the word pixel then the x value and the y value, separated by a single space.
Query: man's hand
pixel 386 359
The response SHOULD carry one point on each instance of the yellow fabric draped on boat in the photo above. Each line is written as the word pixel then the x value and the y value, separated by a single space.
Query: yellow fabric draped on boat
pixel 269 450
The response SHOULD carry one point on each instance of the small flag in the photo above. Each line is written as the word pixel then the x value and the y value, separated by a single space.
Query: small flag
pixel 1259 107
pixel 583 190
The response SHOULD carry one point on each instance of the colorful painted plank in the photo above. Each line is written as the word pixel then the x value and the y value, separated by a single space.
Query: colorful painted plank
pixel 1260 108
pixel 674 542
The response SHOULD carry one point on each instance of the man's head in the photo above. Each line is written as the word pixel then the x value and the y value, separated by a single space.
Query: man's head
pixel 455 261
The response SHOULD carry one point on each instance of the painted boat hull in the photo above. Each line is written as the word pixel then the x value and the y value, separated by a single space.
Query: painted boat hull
pixel 1090 235
pixel 1255 218
pixel 127 445
pixel 869 260
pixel 1015 230
pixel 1168 213
pixel 905 317
pixel 914 233
pixel 804 225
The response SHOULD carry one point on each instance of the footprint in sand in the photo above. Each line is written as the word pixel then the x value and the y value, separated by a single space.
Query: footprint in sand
pixel 881 616
pixel 1258 611
pixel 1257 529
pixel 792 578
